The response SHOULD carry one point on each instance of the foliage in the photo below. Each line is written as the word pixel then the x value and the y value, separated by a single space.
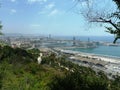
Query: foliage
pixel 19 71
pixel 34 51
pixel 14 56
pixel 77 81
pixel 0 27
pixel 102 16
pixel 118 3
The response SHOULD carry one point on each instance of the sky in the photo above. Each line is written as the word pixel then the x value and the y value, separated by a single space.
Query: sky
pixel 44 17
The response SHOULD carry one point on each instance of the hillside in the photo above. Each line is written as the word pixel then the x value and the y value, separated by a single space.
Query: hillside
pixel 19 71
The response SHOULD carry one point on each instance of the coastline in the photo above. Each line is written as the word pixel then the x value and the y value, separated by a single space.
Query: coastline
pixel 109 65
pixel 99 57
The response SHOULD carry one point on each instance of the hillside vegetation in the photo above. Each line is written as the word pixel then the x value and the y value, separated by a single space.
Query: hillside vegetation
pixel 19 71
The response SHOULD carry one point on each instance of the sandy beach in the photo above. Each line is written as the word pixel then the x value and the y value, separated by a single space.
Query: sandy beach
pixel 89 56
pixel 108 64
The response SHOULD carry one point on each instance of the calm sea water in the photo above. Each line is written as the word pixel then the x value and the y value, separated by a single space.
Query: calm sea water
pixel 103 50
pixel 85 38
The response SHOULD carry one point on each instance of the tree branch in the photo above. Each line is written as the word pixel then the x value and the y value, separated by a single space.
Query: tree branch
pixel 105 21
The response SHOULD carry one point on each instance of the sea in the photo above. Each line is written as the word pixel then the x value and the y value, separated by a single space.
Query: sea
pixel 113 51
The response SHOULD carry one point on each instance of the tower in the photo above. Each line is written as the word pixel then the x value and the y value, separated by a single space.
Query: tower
pixel 74 41
pixel 49 36
pixel 88 39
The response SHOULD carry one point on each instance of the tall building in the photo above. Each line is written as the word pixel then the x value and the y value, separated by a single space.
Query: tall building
pixel 74 41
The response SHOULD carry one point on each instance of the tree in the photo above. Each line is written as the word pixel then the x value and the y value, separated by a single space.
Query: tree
pixel 118 3
pixel 0 24
pixel 96 14
pixel 0 28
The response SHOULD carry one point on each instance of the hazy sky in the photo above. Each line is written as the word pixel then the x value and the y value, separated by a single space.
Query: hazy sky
pixel 56 17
